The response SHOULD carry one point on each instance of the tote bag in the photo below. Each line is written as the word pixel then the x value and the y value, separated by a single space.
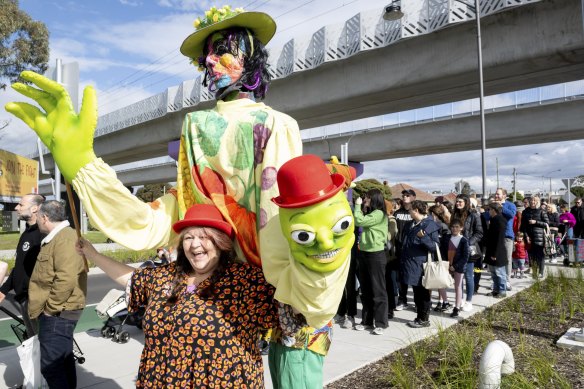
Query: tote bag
pixel 436 274
pixel 29 353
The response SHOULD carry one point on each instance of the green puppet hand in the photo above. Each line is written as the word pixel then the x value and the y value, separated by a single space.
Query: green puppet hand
pixel 68 136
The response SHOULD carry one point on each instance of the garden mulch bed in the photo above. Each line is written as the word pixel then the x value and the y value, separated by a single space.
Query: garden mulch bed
pixel 530 322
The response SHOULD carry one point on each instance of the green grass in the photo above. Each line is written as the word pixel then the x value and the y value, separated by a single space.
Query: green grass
pixel 450 358
pixel 8 241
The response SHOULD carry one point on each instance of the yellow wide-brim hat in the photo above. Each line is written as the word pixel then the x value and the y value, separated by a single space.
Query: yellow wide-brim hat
pixel 262 26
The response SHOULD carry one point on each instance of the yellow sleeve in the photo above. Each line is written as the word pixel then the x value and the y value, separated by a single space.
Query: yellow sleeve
pixel 121 216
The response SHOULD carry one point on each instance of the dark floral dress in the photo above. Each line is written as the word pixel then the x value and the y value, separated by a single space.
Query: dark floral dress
pixel 198 342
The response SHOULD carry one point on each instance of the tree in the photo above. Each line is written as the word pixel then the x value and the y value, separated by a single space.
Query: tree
pixel 24 43
pixel 151 192
pixel 462 187
pixel 577 187
pixel 363 186
pixel 518 196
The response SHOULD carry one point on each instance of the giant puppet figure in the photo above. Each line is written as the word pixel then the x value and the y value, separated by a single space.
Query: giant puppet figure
pixel 229 155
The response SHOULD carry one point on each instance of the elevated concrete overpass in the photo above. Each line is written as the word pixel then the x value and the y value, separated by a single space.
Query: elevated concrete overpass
pixel 539 122
pixel 376 67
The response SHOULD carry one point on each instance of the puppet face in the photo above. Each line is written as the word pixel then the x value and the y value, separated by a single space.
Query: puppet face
pixel 224 61
pixel 320 235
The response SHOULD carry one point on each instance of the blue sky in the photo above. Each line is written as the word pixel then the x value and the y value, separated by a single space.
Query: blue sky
pixel 128 50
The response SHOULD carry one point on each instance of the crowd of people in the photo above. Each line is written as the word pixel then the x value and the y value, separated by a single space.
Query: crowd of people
pixel 505 238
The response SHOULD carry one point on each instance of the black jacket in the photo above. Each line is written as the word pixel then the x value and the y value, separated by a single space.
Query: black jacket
pixel 535 232
pixel 554 219
pixel 27 250
pixel 496 242
pixel 578 213
pixel 462 255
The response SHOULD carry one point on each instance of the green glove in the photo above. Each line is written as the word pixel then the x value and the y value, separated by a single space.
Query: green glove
pixel 68 136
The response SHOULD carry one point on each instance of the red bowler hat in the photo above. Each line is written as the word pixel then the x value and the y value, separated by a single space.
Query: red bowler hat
pixel 203 215
pixel 304 181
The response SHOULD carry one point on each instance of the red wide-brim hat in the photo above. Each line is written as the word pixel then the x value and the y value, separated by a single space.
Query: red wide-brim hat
pixel 203 215
pixel 304 181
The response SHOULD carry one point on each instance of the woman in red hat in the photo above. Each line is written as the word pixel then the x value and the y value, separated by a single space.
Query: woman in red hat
pixel 204 312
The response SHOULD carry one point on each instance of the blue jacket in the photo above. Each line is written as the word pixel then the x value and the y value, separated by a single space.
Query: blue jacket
pixel 415 250
pixel 508 212
pixel 462 252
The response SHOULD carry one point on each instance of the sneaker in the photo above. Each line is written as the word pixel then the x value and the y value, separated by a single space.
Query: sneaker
pixel 438 306
pixel 347 323
pixel 492 294
pixel 540 276
pixel 501 295
pixel 361 327
pixel 509 287
pixel 454 312
pixel 417 323
pixel 467 307
pixel 513 276
pixel 377 331
pixel 390 314
pixel 338 319
pixel 554 260
pixel 445 306
pixel 401 307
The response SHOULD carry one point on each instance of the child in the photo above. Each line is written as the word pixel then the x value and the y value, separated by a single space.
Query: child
pixel 519 254
pixel 458 256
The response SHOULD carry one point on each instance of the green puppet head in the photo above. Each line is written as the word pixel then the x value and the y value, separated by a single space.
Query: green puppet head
pixel 315 216
pixel 320 235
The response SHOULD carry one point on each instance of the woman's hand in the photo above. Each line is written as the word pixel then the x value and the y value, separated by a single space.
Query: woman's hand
pixel 85 248
pixel 358 201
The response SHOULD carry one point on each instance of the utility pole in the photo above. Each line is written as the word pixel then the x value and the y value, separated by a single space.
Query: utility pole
pixel 550 194
pixel 497 162
pixel 514 185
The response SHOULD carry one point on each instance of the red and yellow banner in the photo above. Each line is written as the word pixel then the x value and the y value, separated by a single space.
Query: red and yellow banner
pixel 18 175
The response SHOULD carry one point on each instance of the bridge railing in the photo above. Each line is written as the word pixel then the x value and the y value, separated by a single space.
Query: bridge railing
pixel 513 100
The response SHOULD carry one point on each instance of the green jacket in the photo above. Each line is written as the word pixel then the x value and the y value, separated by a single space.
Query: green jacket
pixel 374 234
pixel 58 281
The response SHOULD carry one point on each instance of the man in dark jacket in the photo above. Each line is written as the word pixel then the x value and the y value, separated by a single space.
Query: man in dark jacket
pixel 402 219
pixel 27 250
pixel 578 212
pixel 496 253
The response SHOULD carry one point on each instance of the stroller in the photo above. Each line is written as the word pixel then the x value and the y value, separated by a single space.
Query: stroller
pixel 22 334
pixel 114 309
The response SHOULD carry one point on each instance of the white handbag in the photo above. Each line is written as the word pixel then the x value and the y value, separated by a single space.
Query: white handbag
pixel 29 353
pixel 436 273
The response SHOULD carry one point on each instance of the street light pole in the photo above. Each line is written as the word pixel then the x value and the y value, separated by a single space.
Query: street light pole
pixel 394 12
pixel 481 95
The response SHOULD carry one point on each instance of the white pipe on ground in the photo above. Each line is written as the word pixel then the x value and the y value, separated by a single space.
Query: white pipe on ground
pixel 496 360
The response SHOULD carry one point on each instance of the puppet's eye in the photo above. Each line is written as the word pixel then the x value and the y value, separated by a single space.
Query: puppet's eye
pixel 343 225
pixel 303 237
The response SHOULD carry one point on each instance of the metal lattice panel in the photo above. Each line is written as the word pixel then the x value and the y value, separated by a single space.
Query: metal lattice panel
pixel 191 92
pixel 285 63
pixel 416 20
pixel 438 14
pixel 174 98
pixel 315 52
pixel 352 35
pixel 147 109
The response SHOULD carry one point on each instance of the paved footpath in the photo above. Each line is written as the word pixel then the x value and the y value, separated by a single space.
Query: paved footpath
pixel 110 365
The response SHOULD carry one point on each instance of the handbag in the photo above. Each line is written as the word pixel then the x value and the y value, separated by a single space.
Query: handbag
pixel 549 245
pixel 29 353
pixel 475 252
pixel 436 273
